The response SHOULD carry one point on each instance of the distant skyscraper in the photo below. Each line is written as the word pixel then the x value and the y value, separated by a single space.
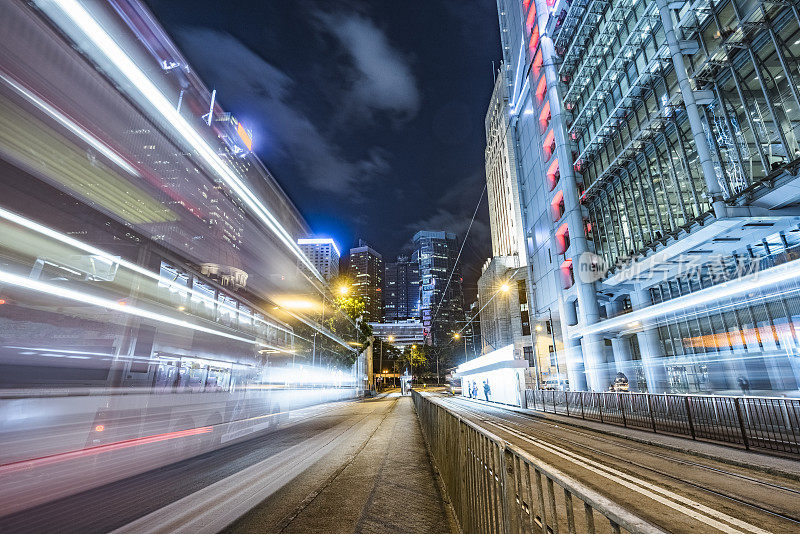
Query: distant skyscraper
pixel 442 312
pixel 366 270
pixel 401 290
pixel 323 253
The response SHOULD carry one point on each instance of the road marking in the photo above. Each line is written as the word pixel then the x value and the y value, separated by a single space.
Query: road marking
pixel 641 486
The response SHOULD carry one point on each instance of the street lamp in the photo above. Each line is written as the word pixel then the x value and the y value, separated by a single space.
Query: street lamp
pixel 505 288
pixel 344 290
pixel 456 336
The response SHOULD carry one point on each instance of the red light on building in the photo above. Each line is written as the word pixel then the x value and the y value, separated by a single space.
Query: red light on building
pixel 567 276
pixel 537 63
pixel 99 428
pixel 549 144
pixel 541 89
pixel 531 20
pixel 544 116
pixel 2 301
pixel 534 43
pixel 557 205
pixel 553 174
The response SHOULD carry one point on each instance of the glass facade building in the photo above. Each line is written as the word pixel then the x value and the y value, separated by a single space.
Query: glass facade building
pixel 441 297
pixel 657 160
pixel 401 291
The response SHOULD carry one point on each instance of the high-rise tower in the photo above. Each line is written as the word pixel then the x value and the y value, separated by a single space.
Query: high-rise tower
pixel 367 270
pixel 441 302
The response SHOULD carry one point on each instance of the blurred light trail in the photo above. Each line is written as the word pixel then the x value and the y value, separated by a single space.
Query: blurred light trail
pixel 757 281
pixel 70 125
pixel 79 296
pixel 107 46
pixel 67 240
pixel 98 449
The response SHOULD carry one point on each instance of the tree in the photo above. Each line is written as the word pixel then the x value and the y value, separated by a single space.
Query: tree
pixel 414 357
pixel 353 305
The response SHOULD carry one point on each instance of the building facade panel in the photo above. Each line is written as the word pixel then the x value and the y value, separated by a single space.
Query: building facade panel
pixel 657 158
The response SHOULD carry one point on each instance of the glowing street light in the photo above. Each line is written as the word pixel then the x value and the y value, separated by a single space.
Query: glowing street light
pixel 505 288
pixel 456 336
pixel 390 339
pixel 344 290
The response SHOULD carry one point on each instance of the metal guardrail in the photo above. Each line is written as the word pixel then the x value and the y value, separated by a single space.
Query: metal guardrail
pixel 496 487
pixel 759 423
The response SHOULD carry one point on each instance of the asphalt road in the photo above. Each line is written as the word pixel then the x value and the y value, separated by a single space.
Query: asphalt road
pixel 355 466
pixel 108 507
pixel 676 491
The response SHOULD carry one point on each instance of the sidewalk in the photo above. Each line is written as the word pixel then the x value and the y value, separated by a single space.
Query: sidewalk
pixel 777 465
pixel 385 484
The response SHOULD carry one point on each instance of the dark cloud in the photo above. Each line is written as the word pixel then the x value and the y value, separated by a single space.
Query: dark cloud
pixel 382 78
pixel 266 92
pixel 454 213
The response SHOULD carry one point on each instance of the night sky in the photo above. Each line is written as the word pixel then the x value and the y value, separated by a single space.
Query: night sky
pixel 369 114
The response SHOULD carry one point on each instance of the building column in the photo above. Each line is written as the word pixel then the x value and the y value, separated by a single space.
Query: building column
pixel 573 355
pixel 624 360
pixel 598 374
pixel 620 345
pixel 696 125
pixel 649 346
pixel 585 291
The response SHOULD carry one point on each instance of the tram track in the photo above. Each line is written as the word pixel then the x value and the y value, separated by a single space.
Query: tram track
pixel 523 423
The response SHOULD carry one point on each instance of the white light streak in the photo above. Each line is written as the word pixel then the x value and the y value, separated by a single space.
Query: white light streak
pixel 67 240
pixel 86 298
pixel 107 46
pixel 752 282
pixel 70 125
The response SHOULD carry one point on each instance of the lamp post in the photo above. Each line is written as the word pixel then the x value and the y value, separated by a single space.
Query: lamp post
pixel 411 362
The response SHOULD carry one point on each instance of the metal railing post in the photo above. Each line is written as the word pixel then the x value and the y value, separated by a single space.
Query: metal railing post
pixel 600 403
pixel 689 416
pixel 583 416
pixel 621 400
pixel 741 423
pixel 650 411
pixel 511 525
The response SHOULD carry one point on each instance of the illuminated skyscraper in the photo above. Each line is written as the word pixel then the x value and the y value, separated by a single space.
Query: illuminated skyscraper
pixel 401 290
pixel 367 270
pixel 323 253
pixel 442 303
